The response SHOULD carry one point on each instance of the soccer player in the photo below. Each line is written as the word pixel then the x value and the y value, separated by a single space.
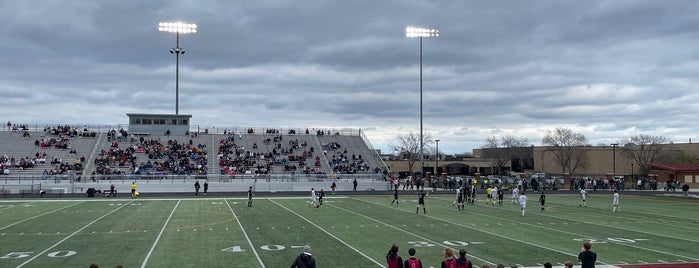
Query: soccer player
pixel 460 198
pixel 515 195
pixel 320 198
pixel 615 203
pixel 395 196
pixel 501 195
pixel 412 261
pixel 583 197
pixel 523 202
pixel 488 196
pixel 458 191
pixel 449 260
pixel 133 189
pixel 542 201
pixel 421 202
pixel 462 261
pixel 494 194
pixel 250 195
pixel 314 198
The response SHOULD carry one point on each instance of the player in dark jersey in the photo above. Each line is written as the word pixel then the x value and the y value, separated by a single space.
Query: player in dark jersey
pixel 392 258
pixel 395 196
pixel 421 202
pixel 460 199
pixel 542 201
pixel 250 195
pixel 321 194
pixel 501 196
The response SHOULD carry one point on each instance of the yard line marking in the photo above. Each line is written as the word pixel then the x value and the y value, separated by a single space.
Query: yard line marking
pixel 328 233
pixel 69 236
pixel 487 232
pixel 410 233
pixel 262 264
pixel 159 234
pixel 566 232
pixel 38 216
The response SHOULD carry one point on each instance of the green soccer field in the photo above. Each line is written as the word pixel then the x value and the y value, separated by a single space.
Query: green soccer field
pixel 348 231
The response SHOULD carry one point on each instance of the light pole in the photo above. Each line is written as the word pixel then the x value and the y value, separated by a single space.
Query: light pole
pixel 614 158
pixel 436 159
pixel 418 32
pixel 177 28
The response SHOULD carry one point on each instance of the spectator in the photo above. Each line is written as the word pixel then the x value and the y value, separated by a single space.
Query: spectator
pixel 568 264
pixel 547 265
pixel 462 262
pixel 449 260
pixel 305 260
pixel 392 258
pixel 685 190
pixel 586 256
pixel 412 261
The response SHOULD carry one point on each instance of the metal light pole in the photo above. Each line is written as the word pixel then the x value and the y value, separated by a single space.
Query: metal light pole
pixel 436 159
pixel 177 28
pixel 417 32
pixel 614 158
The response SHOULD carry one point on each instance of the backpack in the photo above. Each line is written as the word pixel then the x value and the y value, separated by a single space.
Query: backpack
pixel 464 265
pixel 413 263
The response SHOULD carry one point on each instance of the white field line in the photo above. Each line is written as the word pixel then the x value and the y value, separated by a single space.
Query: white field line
pixel 37 216
pixel 415 235
pixel 71 235
pixel 487 232
pixel 159 234
pixel 262 264
pixel 140 198
pixel 328 233
pixel 15 206
pixel 572 233
pixel 625 229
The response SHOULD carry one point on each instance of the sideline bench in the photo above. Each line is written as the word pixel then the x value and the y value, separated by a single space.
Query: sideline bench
pixel 107 192
pixel 41 193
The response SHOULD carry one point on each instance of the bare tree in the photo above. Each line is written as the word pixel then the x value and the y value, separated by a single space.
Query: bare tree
pixel 408 148
pixel 567 147
pixel 505 151
pixel 644 149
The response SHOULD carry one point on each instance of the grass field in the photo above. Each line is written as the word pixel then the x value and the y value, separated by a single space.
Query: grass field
pixel 348 231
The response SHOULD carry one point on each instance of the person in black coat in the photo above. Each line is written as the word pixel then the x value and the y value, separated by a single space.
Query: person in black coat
pixel 305 259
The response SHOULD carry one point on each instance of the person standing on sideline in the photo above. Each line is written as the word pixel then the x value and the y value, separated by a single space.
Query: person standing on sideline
pixel 392 258
pixel 515 195
pixel 206 186
pixel 523 203
pixel 586 256
pixel 583 197
pixel 133 189
pixel 462 262
pixel 305 260
pixel 421 202
pixel 354 185
pixel 542 201
pixel 449 260
pixel 250 195
pixel 412 261
pixel 395 196
pixel 112 190
pixel 196 187
pixel 332 187
pixel 685 190
pixel 615 203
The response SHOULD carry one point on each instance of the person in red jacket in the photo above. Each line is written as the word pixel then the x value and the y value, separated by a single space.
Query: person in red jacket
pixel 412 261
pixel 392 258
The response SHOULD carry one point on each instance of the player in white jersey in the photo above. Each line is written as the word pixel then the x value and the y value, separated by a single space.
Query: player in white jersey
pixel 314 198
pixel 494 194
pixel 458 193
pixel 523 202
pixel 515 195
pixel 583 197
pixel 615 203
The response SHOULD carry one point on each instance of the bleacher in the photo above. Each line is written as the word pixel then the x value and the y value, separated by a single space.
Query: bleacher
pixel 267 154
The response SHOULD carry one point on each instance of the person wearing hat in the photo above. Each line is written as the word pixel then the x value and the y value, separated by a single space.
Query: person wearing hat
pixel 305 259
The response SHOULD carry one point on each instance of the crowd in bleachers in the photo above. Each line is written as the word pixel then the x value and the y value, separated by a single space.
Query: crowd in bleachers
pixel 172 157
pixel 341 162
pixel 66 131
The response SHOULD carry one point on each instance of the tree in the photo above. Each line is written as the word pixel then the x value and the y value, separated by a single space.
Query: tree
pixel 567 147
pixel 644 149
pixel 505 151
pixel 408 148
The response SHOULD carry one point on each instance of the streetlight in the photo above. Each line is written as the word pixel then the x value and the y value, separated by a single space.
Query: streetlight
pixel 418 32
pixel 177 28
pixel 614 158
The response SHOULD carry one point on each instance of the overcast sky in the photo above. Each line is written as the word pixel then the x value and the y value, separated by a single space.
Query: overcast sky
pixel 606 69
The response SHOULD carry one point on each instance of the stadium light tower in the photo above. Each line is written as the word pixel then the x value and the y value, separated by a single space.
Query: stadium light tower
pixel 177 28
pixel 418 32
